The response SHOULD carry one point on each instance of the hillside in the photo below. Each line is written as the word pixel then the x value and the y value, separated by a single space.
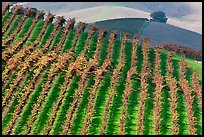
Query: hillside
pixel 165 33
pixel 130 25
pixel 187 15
pixel 158 32
pixel 58 79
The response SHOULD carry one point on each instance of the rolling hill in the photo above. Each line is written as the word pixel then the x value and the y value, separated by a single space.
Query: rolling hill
pixel 159 33
pixel 187 15
pixel 98 13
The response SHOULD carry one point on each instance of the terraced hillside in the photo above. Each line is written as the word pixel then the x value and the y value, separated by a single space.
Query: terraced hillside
pixel 58 79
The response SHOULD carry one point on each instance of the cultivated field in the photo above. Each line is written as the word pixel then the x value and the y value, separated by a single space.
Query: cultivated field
pixel 58 79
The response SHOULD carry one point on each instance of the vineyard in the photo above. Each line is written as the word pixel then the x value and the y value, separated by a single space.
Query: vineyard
pixel 58 79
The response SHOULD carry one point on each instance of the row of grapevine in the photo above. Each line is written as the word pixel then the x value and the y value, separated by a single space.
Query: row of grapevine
pixel 185 87
pixel 144 86
pixel 128 85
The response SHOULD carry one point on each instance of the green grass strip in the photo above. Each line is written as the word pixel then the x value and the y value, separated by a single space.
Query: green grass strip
pixel 189 73
pixel 134 98
pixel 148 112
pixel 116 53
pixel 197 110
pixel 57 126
pixel 92 47
pixel 132 109
pixel 81 43
pixel 47 34
pixel 182 115
pixel 36 31
pixel 139 59
pixel 163 57
pixel 68 41
pixel 14 25
pixel 6 17
pixel 43 116
pixel 103 53
pixel 166 123
pixel 25 27
pixel 175 72
pixel 79 119
pixel 57 39
pixel 113 123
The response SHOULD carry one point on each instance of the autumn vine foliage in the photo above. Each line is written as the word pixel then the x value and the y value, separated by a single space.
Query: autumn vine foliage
pixel 157 80
pixel 40 66
pixel 25 52
pixel 82 84
pixel 59 77
pixel 144 86
pixel 15 47
pixel 128 85
pixel 173 100
pixel 187 51
pixel 70 73
pixel 185 87
pixel 172 84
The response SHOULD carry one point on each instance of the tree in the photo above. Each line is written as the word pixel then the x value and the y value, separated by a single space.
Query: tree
pixel 158 16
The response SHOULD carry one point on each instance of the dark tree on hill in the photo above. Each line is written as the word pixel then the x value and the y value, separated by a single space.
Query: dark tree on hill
pixel 158 16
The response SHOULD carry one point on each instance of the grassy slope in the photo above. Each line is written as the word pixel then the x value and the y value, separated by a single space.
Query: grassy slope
pixel 193 65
